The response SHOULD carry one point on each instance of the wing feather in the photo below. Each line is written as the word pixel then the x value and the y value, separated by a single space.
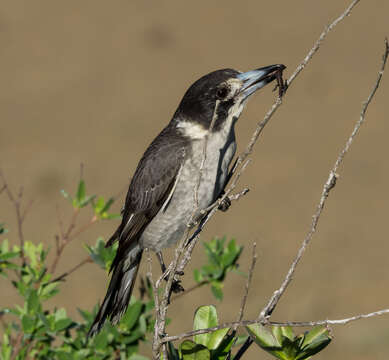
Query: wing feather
pixel 151 187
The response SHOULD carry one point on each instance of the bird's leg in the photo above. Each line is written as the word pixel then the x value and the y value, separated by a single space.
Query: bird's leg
pixel 161 262
pixel 176 284
pixel 225 204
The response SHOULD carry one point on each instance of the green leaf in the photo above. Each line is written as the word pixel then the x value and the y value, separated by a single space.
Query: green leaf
pixel 217 291
pixel 33 303
pixel 8 255
pixel 277 333
pixel 101 339
pixel 287 331
pixel 289 351
pixel 191 351
pixel 28 324
pixel 314 341
pixel 81 191
pixel 216 338
pixel 285 346
pixel 101 255
pixel 240 340
pixel 6 348
pixel 222 351
pixel 106 216
pixel 205 317
pixel 132 314
pixel 262 336
pixel 87 316
pixel 98 205
pixel 48 290
pixel 316 333
pixel 107 205
pixel 86 200
pixel 62 324
pixel 173 353
pixel 197 276
pixel 60 314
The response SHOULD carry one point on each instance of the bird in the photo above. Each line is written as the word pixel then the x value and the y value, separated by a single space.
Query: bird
pixel 183 171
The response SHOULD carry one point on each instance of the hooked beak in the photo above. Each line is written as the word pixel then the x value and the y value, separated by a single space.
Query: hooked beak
pixel 256 79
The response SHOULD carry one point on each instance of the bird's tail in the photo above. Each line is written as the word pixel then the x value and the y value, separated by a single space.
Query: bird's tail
pixel 119 290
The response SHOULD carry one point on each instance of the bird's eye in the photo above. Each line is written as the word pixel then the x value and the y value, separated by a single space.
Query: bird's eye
pixel 222 92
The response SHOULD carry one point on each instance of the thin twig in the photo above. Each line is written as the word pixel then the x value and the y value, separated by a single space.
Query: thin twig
pixel 189 290
pixel 73 269
pixel 258 321
pixel 331 322
pixel 261 125
pixel 17 346
pixel 20 215
pixel 248 282
pixel 330 183
pixel 248 341
pixel 67 236
pixel 149 275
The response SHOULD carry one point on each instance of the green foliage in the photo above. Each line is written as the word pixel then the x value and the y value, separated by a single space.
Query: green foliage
pixel 101 208
pixel 284 345
pixel 101 255
pixel 53 334
pixel 221 259
pixel 34 330
pixel 215 345
pixel 6 256
pixel 81 199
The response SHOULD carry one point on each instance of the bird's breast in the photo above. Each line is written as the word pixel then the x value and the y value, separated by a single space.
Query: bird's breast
pixel 201 179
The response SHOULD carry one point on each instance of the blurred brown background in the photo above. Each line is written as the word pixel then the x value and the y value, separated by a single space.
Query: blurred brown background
pixel 95 81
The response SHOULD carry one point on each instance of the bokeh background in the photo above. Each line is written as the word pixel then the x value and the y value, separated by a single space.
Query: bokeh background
pixel 93 82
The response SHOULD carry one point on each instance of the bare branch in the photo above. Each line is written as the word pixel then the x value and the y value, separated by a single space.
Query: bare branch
pixel 258 321
pixel 73 269
pixel 248 282
pixel 330 183
pixel 331 322
pixel 318 43
pixel 188 291
pixel 20 214
pixel 156 343
pixel 67 236
pixel 260 126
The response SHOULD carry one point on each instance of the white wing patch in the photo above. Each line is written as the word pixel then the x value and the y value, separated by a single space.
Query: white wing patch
pixel 166 203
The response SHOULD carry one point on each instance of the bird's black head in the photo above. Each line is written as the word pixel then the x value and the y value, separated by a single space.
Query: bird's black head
pixel 231 87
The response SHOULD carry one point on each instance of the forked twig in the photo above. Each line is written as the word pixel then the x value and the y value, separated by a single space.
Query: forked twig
pixel 328 186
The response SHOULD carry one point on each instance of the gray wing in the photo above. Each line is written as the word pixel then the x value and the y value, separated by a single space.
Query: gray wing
pixel 150 188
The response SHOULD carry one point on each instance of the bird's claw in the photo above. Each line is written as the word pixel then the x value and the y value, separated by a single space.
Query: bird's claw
pixel 225 204
pixel 177 287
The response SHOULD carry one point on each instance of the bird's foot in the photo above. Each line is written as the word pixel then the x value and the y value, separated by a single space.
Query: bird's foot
pixel 225 204
pixel 176 284
pixel 177 287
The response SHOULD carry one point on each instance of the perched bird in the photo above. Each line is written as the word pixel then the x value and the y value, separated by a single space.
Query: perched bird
pixel 168 189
